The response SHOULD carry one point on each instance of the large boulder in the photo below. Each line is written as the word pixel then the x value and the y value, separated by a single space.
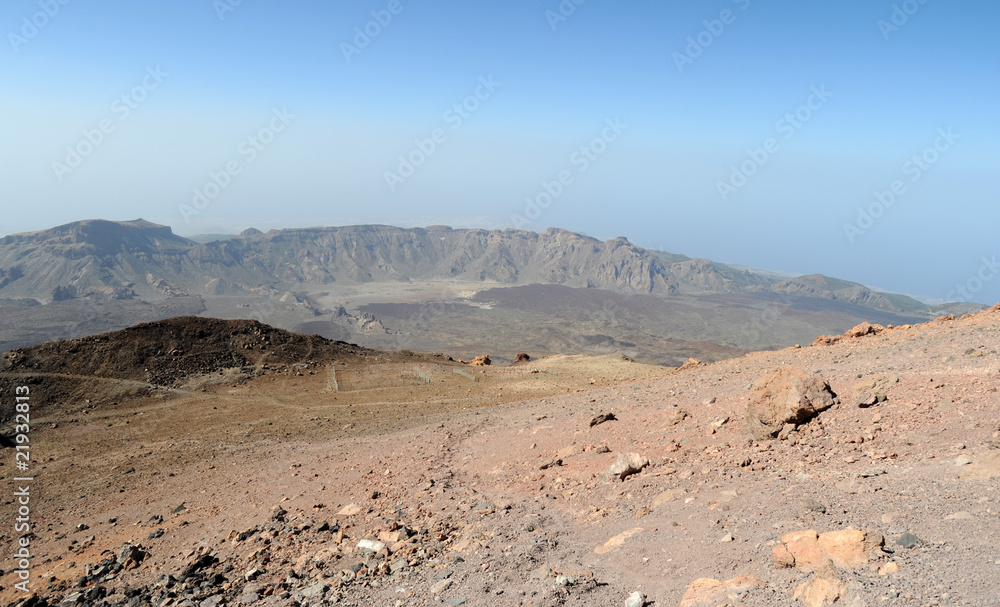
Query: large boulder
pixel 844 549
pixel 626 465
pixel 787 396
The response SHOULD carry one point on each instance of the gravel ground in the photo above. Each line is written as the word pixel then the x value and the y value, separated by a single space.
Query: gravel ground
pixel 494 490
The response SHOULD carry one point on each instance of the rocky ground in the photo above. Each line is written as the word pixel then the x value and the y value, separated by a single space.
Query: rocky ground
pixel 564 481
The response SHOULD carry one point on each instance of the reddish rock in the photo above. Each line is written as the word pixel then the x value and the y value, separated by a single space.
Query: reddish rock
pixel 808 551
pixel 689 363
pixel 863 329
pixel 849 548
pixel 826 588
pixel 706 592
pixel 787 396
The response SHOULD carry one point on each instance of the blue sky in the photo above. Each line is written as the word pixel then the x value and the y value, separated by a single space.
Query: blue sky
pixel 716 151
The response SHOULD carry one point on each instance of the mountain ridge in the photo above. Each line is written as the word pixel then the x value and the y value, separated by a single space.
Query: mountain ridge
pixel 140 259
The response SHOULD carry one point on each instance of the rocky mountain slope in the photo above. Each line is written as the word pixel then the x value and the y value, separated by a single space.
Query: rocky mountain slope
pixel 432 288
pixel 859 471
pixel 144 260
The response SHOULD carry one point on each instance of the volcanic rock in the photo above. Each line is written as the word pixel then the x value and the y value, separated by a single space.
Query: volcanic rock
pixel 601 418
pixel 706 592
pixel 826 588
pixel 627 465
pixel 807 551
pixel 787 396
pixel 983 467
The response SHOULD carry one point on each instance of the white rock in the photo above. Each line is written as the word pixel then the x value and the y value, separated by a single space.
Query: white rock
pixel 370 546
pixel 636 599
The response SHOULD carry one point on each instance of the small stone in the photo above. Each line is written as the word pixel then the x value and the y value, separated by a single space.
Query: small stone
pixel 213 601
pixel 128 552
pixel 706 592
pixel 552 463
pixel 810 505
pixel 959 516
pixel 370 546
pixel 872 472
pixel 827 587
pixel 867 399
pixel 618 540
pixel 727 538
pixel 668 496
pixel 349 510
pixel 636 599
pixel 963 460
pixel 908 540
pixel 441 586
pixel 314 591
pixel 888 568
pixel 601 418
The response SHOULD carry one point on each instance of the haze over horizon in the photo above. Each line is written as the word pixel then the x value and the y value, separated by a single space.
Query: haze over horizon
pixel 734 130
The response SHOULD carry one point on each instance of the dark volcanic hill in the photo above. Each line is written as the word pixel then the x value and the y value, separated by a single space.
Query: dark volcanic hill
pixel 165 352
pixel 159 356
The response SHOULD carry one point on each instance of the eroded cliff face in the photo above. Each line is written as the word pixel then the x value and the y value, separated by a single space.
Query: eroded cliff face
pixel 141 260
pixel 85 257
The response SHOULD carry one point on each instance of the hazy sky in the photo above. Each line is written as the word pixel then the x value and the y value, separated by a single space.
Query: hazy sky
pixel 747 131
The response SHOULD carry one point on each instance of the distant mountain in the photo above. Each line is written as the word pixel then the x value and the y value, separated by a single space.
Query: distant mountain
pixel 207 238
pixel 139 259
pixel 100 275
pixel 817 285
